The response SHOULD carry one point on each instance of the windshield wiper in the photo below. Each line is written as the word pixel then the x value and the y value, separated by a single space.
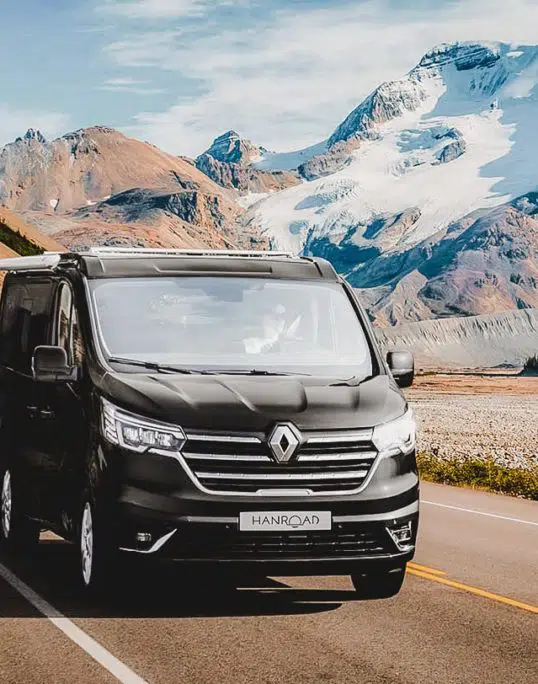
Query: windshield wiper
pixel 160 368
pixel 353 381
pixel 255 371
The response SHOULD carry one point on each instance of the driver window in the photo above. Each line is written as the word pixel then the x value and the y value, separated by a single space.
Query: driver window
pixel 67 330
pixel 63 320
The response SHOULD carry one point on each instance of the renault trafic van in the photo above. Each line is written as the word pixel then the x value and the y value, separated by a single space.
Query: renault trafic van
pixel 214 408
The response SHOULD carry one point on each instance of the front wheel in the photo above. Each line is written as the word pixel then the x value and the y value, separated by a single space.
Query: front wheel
pixel 17 532
pixel 97 556
pixel 370 586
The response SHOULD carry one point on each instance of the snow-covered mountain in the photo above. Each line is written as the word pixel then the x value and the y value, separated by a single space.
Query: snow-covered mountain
pixel 424 197
pixel 230 160
pixel 414 165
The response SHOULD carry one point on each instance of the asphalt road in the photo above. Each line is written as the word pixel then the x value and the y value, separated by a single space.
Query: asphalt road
pixel 468 612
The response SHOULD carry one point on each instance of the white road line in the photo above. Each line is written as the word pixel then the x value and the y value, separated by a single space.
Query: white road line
pixel 123 673
pixel 471 510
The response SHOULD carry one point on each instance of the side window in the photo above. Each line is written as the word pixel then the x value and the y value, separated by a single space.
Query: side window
pixel 67 328
pixel 63 319
pixel 25 322
pixel 76 340
pixel 12 297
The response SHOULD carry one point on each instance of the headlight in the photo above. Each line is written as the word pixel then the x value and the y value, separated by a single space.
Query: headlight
pixel 397 436
pixel 137 433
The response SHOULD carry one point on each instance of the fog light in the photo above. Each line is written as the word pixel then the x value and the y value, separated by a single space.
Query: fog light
pixel 402 535
pixel 143 537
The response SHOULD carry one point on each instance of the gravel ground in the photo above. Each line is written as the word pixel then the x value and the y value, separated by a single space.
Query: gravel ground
pixel 498 426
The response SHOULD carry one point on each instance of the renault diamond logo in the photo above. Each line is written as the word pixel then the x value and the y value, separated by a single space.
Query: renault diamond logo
pixel 283 442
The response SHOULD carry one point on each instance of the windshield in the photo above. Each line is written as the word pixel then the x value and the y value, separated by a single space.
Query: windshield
pixel 232 324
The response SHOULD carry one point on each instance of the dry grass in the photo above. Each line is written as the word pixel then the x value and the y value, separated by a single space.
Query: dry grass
pixel 480 474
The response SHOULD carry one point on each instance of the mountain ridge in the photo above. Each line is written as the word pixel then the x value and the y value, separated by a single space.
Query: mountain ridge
pixel 423 196
pixel 64 187
pixel 502 339
pixel 229 162
pixel 462 120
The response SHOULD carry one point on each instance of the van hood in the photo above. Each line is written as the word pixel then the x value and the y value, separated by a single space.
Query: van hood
pixel 254 403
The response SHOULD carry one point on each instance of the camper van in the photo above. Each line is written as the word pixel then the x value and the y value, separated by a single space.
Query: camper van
pixel 229 410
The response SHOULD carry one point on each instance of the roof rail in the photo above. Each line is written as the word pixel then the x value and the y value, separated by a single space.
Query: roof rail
pixel 163 251
pixel 45 261
pixel 50 260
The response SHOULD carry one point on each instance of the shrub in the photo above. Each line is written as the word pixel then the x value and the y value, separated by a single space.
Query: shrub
pixel 480 474
pixel 530 367
pixel 17 242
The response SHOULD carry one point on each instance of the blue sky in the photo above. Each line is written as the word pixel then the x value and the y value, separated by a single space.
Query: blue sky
pixel 179 72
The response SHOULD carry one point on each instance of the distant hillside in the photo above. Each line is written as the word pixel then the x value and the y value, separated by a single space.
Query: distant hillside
pixel 484 263
pixel 97 186
pixel 20 238
pixel 5 253
pixel 486 341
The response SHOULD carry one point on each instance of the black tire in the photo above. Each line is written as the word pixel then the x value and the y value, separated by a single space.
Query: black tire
pixel 97 557
pixel 371 586
pixel 17 532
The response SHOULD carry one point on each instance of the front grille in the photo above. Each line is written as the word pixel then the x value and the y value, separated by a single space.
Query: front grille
pixel 325 463
pixel 232 544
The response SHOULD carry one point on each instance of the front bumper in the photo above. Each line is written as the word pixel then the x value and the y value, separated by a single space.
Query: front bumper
pixel 161 515
pixel 355 542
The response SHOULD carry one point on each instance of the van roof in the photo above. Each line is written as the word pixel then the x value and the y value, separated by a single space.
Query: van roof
pixel 110 262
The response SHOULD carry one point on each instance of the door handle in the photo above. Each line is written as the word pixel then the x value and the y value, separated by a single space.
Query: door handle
pixel 46 414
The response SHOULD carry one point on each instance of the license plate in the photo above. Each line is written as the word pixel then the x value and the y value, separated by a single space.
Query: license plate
pixel 285 521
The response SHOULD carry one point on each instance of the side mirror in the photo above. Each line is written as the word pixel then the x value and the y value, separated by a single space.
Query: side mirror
pixel 49 364
pixel 402 366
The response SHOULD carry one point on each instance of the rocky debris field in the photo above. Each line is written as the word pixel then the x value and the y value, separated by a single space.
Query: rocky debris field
pixel 503 339
pixel 454 422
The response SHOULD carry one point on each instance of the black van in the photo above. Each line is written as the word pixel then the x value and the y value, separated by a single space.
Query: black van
pixel 213 408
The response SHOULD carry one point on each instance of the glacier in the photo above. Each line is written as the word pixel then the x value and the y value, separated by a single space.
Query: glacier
pixel 456 134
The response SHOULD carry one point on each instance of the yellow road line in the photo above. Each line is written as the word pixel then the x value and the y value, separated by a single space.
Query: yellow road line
pixel 425 568
pixel 475 590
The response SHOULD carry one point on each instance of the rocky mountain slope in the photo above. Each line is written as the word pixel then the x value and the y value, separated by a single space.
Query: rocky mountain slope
pixel 20 238
pixel 229 163
pixel 414 196
pixel 424 197
pixel 485 341
pixel 97 186
pixel 486 262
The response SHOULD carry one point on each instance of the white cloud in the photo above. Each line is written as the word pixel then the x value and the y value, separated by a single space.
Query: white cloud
pixel 130 89
pixel 149 49
pixel 123 81
pixel 50 124
pixel 128 85
pixel 287 83
pixel 159 9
